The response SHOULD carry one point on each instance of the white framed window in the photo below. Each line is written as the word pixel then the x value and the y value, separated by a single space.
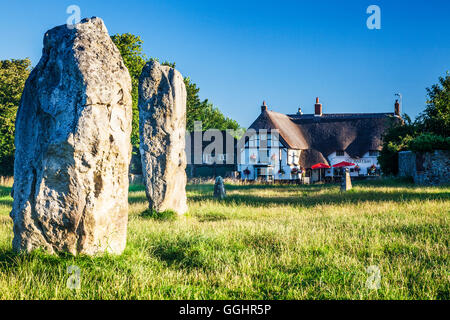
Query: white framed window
pixel 340 153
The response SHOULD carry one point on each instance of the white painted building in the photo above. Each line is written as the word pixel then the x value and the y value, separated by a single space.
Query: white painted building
pixel 285 147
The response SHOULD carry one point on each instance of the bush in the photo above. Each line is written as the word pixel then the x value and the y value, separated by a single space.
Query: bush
pixel 428 142
pixel 396 139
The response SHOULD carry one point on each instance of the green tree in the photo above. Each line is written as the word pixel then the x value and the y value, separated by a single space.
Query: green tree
pixel 436 116
pixel 13 74
pixel 130 47
pixel 429 131
pixel 396 139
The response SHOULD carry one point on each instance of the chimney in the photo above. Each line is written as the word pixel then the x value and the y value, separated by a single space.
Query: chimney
pixel 397 108
pixel 264 107
pixel 299 112
pixel 318 108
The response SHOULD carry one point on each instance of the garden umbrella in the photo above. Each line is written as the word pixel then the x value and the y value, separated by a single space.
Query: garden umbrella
pixel 343 164
pixel 320 166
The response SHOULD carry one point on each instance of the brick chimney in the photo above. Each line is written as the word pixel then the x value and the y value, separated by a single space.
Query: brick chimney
pixel 318 108
pixel 397 108
pixel 264 107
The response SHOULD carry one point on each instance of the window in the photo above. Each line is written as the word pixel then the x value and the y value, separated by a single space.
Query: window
pixel 373 153
pixel 265 140
pixel 340 153
pixel 295 157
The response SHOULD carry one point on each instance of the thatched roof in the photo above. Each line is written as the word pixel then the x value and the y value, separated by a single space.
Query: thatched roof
pixel 310 157
pixel 354 133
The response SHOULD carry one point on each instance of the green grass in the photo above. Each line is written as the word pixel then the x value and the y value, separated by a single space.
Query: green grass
pixel 261 242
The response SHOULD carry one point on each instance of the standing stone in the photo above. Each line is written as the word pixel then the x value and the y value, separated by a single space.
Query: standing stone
pixel 162 126
pixel 73 146
pixel 346 181
pixel 219 189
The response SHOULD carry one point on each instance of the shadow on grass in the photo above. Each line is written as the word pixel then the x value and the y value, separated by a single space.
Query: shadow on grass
pixel 132 199
pixel 5 191
pixel 183 253
pixel 210 217
pixel 311 199
pixel 168 215
pixel 136 188
pixel 9 259
pixel 6 202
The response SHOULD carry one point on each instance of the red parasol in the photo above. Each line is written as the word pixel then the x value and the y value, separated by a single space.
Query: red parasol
pixel 320 166
pixel 343 164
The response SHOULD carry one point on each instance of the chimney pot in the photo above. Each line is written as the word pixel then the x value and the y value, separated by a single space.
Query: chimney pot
pixel 264 107
pixel 318 108
pixel 397 108
pixel 299 111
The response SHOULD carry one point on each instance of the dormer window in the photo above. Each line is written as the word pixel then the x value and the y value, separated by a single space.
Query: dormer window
pixel 340 153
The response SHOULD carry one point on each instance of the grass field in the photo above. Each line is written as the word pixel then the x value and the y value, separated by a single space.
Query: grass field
pixel 262 242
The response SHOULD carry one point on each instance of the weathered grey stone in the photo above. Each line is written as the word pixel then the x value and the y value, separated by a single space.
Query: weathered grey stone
pixel 432 168
pixel 406 164
pixel 162 126
pixel 346 181
pixel 73 146
pixel 429 168
pixel 219 189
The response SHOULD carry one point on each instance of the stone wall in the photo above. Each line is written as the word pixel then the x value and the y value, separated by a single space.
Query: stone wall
pixel 406 164
pixel 431 168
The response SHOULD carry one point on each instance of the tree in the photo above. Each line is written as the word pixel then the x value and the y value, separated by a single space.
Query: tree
pixel 436 116
pixel 396 139
pixel 130 47
pixel 13 74
pixel 430 130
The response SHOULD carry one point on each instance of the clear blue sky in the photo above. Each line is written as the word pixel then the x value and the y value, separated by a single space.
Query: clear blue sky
pixel 285 52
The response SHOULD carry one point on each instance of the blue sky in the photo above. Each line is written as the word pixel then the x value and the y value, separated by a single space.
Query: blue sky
pixel 285 52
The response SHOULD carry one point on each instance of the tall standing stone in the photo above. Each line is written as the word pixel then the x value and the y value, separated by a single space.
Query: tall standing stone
pixel 73 145
pixel 162 126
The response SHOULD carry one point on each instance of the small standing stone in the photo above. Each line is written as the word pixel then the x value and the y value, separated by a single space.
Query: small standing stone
pixel 162 127
pixel 219 189
pixel 346 181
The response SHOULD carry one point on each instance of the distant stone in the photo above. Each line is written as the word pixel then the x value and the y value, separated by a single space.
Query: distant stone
pixel 346 181
pixel 219 189
pixel 73 146
pixel 162 127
